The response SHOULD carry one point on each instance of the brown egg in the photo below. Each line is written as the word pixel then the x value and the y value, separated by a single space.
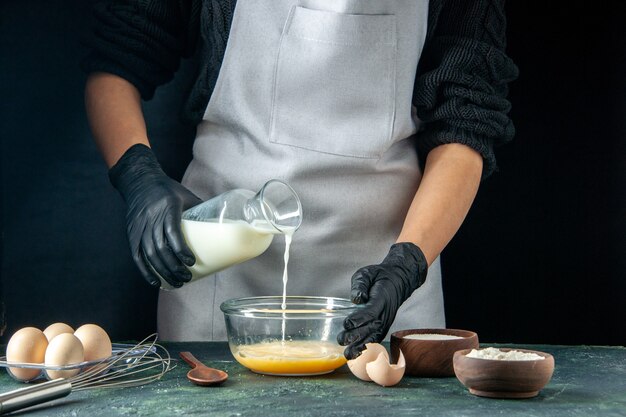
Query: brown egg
pixel 371 352
pixel 27 345
pixel 382 373
pixel 95 340
pixel 56 329
pixel 64 349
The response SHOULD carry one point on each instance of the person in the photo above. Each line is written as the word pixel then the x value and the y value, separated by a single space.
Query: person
pixel 383 117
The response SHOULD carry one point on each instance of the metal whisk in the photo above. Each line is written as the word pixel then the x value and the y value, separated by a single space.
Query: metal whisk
pixel 141 364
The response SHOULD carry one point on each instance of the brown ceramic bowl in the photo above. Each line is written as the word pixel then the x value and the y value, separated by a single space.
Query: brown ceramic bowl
pixel 503 379
pixel 430 358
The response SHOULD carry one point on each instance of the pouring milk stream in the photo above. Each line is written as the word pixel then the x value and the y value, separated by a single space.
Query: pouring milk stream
pixel 239 225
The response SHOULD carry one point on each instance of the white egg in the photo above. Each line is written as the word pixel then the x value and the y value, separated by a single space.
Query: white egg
pixel 56 329
pixel 382 373
pixel 27 345
pixel 95 340
pixel 64 349
pixel 371 352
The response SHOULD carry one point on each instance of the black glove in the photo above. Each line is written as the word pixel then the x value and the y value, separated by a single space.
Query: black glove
pixel 382 289
pixel 155 204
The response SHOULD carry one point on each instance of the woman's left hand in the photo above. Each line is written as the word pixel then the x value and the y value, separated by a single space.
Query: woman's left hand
pixel 381 289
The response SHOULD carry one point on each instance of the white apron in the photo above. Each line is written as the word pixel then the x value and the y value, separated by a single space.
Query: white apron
pixel 316 93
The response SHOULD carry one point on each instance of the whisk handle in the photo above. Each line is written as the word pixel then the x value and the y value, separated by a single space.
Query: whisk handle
pixel 35 394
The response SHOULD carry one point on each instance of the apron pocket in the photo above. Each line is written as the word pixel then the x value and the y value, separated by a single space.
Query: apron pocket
pixel 334 83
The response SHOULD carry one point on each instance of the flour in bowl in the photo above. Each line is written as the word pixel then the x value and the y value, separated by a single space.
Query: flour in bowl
pixel 497 354
pixel 431 336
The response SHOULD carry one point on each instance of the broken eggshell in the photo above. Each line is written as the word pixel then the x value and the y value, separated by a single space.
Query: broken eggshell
pixel 385 374
pixel 371 352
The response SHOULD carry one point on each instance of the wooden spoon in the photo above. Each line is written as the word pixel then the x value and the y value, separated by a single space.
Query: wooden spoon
pixel 201 374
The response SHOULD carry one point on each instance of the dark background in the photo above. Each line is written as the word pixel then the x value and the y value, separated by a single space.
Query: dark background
pixel 541 257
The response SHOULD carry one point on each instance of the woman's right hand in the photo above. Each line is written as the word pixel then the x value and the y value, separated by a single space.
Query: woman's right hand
pixel 155 204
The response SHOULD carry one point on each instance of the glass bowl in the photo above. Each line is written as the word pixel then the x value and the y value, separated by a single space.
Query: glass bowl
pixel 299 340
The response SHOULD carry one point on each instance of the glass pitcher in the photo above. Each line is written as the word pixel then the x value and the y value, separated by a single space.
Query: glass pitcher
pixel 238 225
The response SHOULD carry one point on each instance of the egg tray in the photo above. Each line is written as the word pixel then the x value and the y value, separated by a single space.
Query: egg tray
pixel 117 349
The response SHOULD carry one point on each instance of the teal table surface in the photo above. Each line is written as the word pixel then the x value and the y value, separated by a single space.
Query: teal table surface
pixel 587 381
